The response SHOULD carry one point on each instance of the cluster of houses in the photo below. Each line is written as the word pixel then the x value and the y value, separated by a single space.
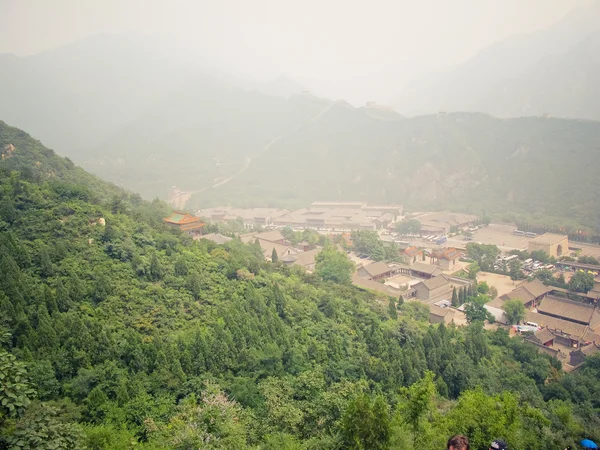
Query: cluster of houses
pixel 332 216
pixel 441 223
pixel 568 329
pixel 269 241
pixel 431 283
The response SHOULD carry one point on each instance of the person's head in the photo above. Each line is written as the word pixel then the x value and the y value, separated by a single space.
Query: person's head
pixel 498 444
pixel 458 442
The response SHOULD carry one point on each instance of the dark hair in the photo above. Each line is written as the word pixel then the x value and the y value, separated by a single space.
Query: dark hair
pixel 458 442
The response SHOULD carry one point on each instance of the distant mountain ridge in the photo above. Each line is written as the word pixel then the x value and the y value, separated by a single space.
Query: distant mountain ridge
pixel 226 145
pixel 472 162
pixel 516 77
pixel 78 95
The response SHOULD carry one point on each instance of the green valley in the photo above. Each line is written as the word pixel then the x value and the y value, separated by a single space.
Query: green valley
pixel 118 333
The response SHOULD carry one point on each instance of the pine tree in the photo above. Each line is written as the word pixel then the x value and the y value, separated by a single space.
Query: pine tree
pixel 274 256
pixel 392 312
pixel 454 297
pixel 400 301
pixel 280 303
pixel 156 270
pixel 46 266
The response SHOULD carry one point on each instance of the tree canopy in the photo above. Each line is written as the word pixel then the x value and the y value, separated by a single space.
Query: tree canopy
pixel 514 310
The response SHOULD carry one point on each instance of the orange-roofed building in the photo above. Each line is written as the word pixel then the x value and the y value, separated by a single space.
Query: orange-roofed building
pixel 187 223
pixel 446 258
pixel 413 254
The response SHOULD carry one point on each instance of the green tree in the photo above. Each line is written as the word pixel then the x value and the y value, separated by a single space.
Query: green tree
pixel 156 268
pixel 485 255
pixel 455 301
pixel 514 310
pixel 473 269
pixel 540 255
pixel 493 293
pixel 581 282
pixel 485 418
pixel 15 390
pixel 417 408
pixel 462 295
pixel 194 285
pixel 515 270
pixel 42 428
pixel 588 260
pixel 368 242
pixel 400 301
pixel 215 422
pixel 392 310
pixel 416 311
pixel 475 310
pixel 366 424
pixel 274 256
pixel 181 268
pixel 333 265
pixel 483 288
pixel 409 226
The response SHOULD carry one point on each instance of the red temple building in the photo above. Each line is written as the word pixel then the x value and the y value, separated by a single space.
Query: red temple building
pixel 187 223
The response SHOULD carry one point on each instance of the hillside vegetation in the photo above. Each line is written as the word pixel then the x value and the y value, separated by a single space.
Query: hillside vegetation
pixel 130 335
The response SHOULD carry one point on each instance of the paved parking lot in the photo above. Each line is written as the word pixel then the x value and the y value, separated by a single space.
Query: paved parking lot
pixel 496 234
pixel 502 283
pixel 587 249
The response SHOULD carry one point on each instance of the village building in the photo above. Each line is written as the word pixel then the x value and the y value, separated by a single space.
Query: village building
pixel 269 241
pixel 577 357
pixel 530 293
pixel 306 260
pixel 443 222
pixel 374 271
pixel 561 308
pixel 371 285
pixel 420 270
pixel 320 215
pixel 543 337
pixel 186 223
pixel 438 314
pixel 413 254
pixel 543 340
pixel 433 288
pixel 553 244
pixel 251 218
pixel 568 334
pixel 272 236
pixel 338 205
pixel 446 258
pixel 568 328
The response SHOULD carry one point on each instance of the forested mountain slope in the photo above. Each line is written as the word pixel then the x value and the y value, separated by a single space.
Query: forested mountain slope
pixel 130 335
pixel 471 162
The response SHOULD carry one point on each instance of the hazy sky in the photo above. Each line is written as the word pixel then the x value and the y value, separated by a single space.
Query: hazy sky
pixel 359 47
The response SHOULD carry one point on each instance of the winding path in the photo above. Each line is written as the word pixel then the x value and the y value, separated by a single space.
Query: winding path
pixel 265 149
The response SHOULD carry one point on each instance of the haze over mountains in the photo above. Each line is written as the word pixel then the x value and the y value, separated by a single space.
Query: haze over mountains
pixel 552 71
